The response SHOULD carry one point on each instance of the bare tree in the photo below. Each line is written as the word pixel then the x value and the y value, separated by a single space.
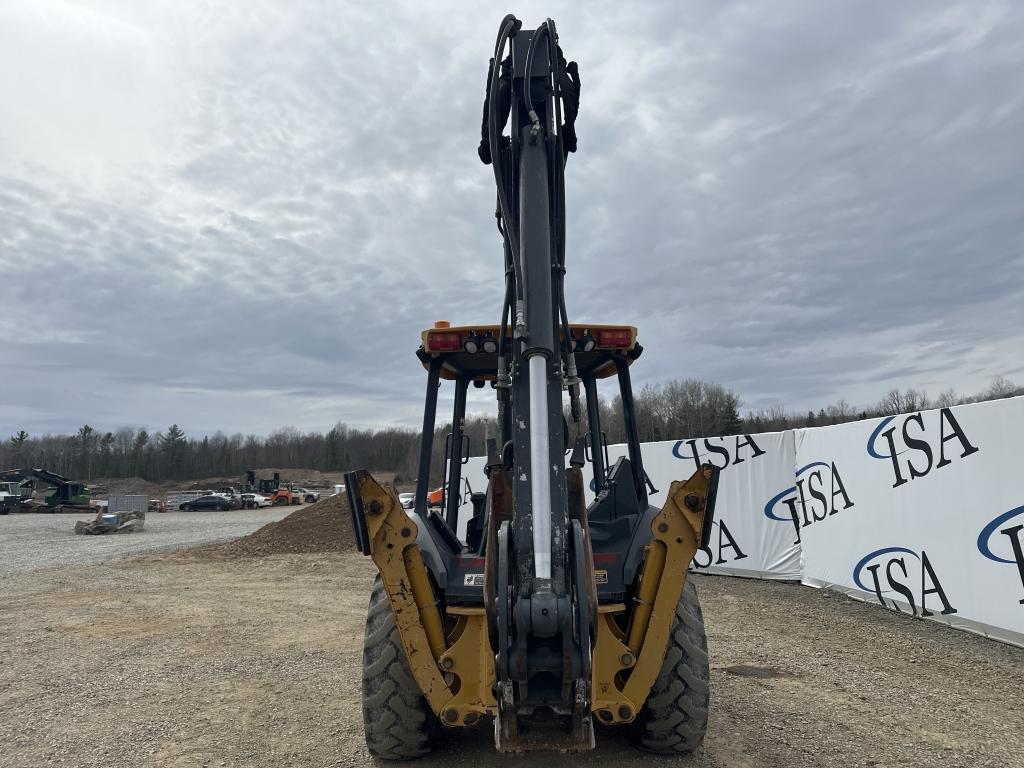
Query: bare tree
pixel 1002 387
pixel 840 412
pixel 907 401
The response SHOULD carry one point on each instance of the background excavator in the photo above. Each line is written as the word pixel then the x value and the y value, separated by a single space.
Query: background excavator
pixel 62 494
pixel 552 614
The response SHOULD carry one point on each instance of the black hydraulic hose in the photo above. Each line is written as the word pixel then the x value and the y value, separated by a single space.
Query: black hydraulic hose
pixel 506 306
pixel 500 385
pixel 508 26
pixel 506 222
pixel 527 90
pixel 556 159
pixel 509 278
pixel 499 43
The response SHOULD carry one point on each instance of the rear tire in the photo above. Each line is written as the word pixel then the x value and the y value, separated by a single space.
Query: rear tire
pixel 397 720
pixel 674 719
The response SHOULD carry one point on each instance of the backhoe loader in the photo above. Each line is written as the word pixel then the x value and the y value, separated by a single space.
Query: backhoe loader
pixel 552 617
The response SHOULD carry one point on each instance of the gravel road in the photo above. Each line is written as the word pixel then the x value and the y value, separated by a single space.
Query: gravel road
pixel 30 542
pixel 183 660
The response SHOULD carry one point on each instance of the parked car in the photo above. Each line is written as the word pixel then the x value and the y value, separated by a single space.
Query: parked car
pixel 408 500
pixel 307 495
pixel 212 501
pixel 254 501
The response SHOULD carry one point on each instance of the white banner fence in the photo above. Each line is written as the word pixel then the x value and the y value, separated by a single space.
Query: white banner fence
pixel 922 513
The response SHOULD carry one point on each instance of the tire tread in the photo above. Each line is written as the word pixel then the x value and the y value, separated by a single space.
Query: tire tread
pixel 674 719
pixel 397 721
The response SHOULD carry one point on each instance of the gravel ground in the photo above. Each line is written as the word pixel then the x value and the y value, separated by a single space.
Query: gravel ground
pixel 194 659
pixel 29 542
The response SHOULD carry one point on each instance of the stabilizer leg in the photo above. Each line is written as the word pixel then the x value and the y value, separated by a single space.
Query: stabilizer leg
pixel 627 661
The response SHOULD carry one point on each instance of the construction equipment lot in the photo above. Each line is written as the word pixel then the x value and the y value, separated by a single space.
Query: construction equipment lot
pixel 218 658
pixel 32 542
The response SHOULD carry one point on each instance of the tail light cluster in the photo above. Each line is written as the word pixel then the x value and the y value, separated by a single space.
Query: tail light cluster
pixel 453 341
pixel 472 342
pixel 606 338
pixel 618 338
pixel 444 342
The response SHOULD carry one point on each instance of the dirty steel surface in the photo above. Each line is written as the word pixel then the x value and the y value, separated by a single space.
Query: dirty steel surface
pixel 186 660
pixel 32 541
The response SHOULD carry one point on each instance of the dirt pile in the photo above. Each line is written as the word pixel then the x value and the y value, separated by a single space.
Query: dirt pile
pixel 322 527
pixel 127 485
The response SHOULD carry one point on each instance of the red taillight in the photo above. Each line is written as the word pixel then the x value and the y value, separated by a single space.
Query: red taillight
pixel 444 342
pixel 607 337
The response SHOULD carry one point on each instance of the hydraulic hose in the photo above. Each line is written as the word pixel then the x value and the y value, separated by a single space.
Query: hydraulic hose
pixel 509 286
pixel 527 90
pixel 506 222
pixel 557 160
pixel 509 26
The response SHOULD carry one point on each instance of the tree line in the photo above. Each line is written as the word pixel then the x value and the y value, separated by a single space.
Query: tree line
pixel 672 410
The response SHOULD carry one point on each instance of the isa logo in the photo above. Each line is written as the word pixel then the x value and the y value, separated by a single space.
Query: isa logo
pixel 818 493
pixel 727 550
pixel 892 571
pixel 912 443
pixel 723 452
pixel 1002 541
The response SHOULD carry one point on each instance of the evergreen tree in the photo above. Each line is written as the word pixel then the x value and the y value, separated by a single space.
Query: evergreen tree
pixel 173 445
pixel 86 441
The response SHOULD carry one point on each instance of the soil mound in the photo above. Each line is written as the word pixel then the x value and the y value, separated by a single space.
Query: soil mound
pixel 322 527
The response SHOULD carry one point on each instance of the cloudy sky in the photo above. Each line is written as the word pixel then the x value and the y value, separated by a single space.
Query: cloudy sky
pixel 239 215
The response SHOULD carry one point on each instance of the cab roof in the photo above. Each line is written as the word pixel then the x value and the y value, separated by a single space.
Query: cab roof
pixel 449 343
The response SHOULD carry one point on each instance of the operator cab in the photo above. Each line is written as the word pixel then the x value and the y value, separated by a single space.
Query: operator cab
pixel 469 354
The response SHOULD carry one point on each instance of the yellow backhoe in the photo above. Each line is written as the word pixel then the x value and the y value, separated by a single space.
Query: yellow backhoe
pixel 549 613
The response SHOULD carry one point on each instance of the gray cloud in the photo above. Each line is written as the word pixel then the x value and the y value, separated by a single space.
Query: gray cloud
pixel 241 217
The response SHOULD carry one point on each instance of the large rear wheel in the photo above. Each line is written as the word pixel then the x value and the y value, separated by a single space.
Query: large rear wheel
pixel 397 720
pixel 675 717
